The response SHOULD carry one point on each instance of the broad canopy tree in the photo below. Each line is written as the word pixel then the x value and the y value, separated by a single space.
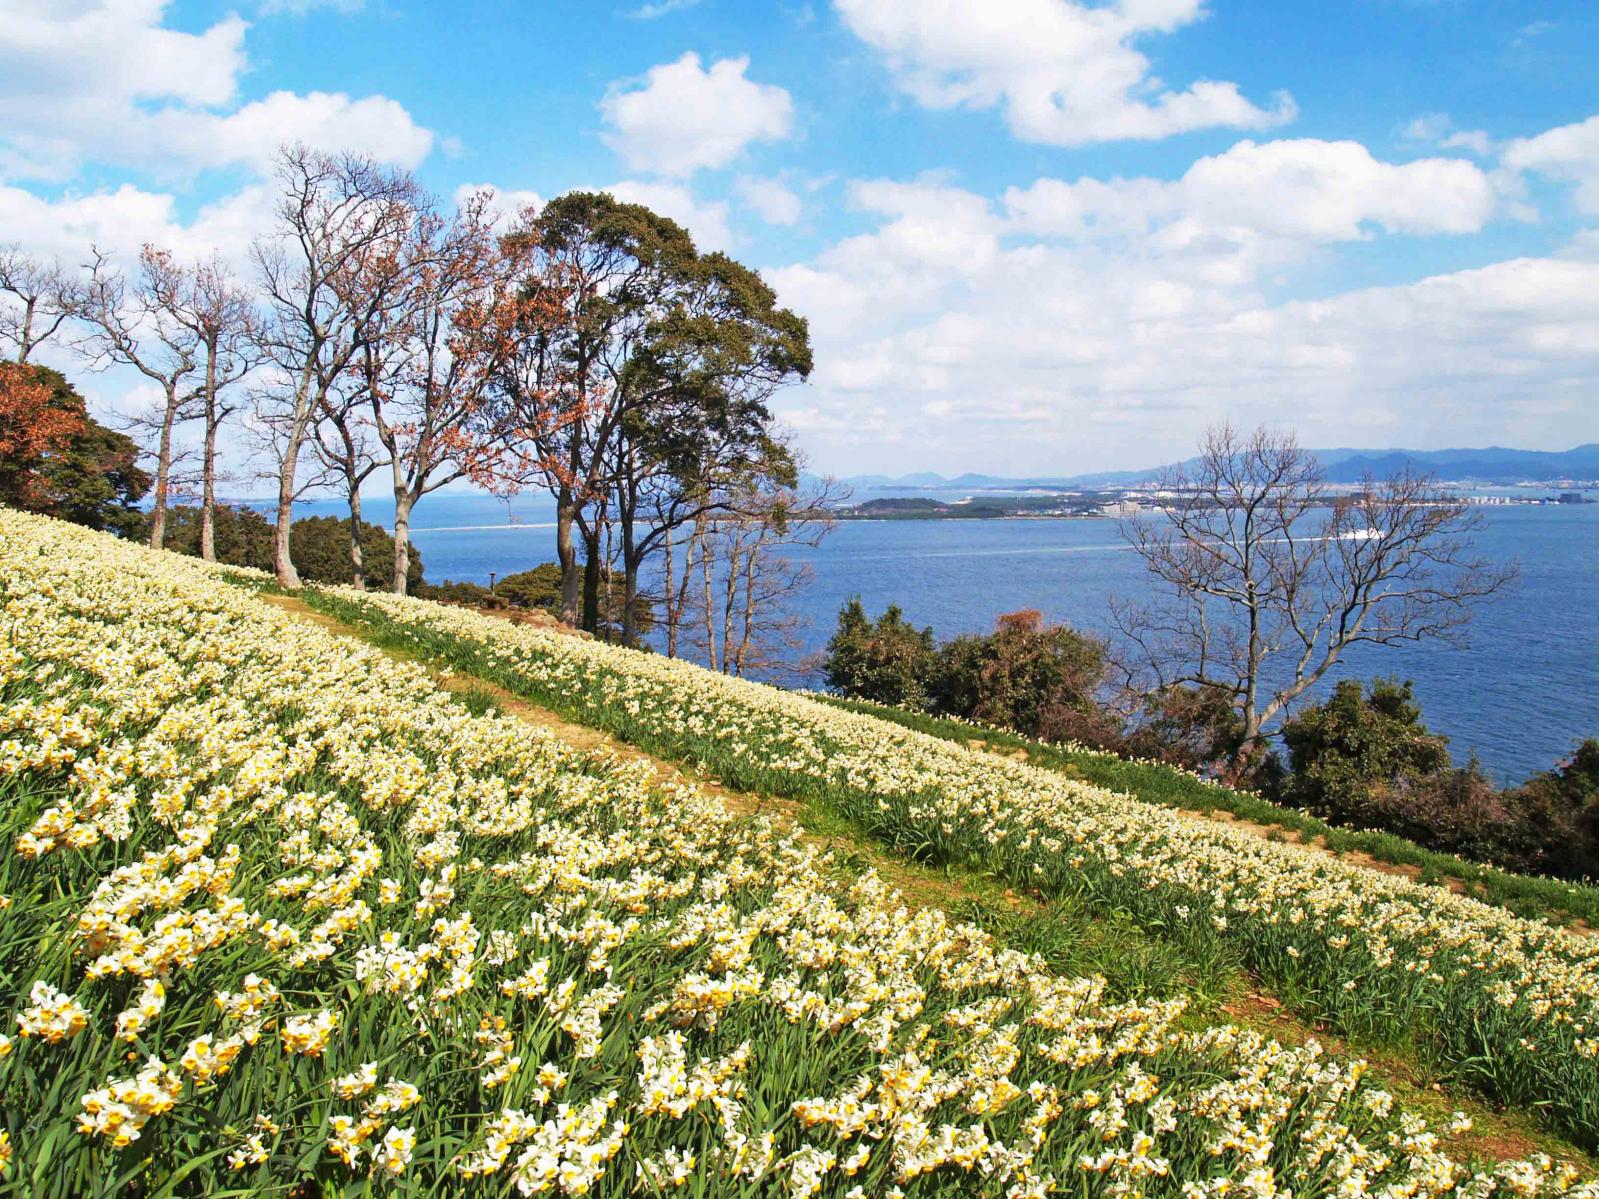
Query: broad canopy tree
pixel 639 386
pixel 57 459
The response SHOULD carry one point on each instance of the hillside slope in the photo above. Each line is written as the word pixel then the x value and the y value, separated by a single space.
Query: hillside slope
pixel 282 917
pixel 1510 1005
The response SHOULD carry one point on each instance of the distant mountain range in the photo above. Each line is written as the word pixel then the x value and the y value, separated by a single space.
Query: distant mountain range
pixel 1494 465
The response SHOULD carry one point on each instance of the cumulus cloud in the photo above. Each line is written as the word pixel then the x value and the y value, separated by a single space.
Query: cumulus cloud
pixel 1300 189
pixel 1116 318
pixel 120 220
pixel 105 81
pixel 683 117
pixel 773 200
pixel 1569 153
pixel 1065 73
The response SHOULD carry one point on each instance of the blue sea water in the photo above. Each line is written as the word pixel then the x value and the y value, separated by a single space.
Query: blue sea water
pixel 1520 694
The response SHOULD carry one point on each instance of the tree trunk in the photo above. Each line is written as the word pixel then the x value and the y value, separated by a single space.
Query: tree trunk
pixel 710 608
pixel 591 581
pixel 402 540
pixel 357 557
pixel 729 599
pixel 208 464
pixel 630 565
pixel 566 556
pixel 747 617
pixel 666 583
pixel 282 563
pixel 163 471
pixel 25 345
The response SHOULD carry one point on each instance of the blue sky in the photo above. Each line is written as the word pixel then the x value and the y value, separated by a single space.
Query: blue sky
pixel 1031 235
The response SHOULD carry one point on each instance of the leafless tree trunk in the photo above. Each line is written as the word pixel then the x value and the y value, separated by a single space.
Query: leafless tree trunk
pixel 341 220
pixel 1269 577
pixel 341 444
pixel 138 325
pixel 747 581
pixel 221 316
pixel 41 299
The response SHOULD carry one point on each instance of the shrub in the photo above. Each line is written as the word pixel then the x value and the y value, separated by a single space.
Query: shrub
pixel 320 547
pixel 241 536
pixel 1037 679
pixel 473 595
pixel 1354 751
pixel 889 662
pixel 538 588
pixel 1189 727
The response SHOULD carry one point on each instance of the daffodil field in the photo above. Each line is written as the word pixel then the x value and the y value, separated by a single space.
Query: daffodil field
pixel 279 916
pixel 1510 1006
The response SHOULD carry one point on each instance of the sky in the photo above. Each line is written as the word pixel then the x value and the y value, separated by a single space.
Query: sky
pixel 1030 236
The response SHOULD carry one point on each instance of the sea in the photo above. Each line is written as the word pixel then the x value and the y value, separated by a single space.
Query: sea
pixel 1521 694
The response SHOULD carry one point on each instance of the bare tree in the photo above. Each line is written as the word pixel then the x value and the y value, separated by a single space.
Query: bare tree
pixel 220 316
pixel 136 324
pixel 38 298
pixel 1270 578
pixel 341 221
pixel 733 598
pixel 345 446
pixel 427 361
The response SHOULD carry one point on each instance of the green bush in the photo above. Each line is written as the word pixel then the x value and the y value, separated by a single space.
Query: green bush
pixel 241 536
pixel 1352 752
pixel 1036 679
pixel 538 588
pixel 889 662
pixel 319 545
pixel 473 595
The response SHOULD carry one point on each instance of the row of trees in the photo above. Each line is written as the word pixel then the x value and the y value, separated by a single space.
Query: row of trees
pixel 587 349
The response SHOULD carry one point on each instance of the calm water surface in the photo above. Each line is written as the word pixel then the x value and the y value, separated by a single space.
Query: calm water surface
pixel 1520 694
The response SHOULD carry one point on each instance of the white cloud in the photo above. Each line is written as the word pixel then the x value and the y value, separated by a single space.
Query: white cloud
pixel 1435 128
pixel 121 220
pixel 1117 318
pixel 773 200
pixel 106 81
pixel 1234 215
pixel 1065 72
pixel 661 8
pixel 1569 153
pixel 373 125
pixel 682 117
pixel 706 221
